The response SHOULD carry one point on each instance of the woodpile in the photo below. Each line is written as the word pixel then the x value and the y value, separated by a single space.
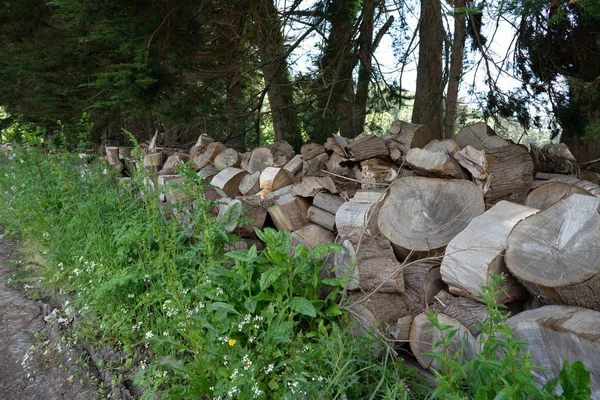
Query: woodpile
pixel 424 224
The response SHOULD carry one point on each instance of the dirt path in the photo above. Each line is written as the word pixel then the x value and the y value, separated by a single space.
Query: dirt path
pixel 32 367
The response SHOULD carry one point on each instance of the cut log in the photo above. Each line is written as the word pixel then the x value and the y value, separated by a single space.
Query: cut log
pixel 339 165
pixel 448 146
pixel 208 156
pixel 310 236
pixel 475 162
pixel 294 166
pixel 422 281
pixel 125 152
pixel 153 162
pixel 434 164
pixel 164 180
pixel 557 332
pixel 282 152
pixel 368 196
pixel 328 202
pixel 550 192
pixel 333 145
pixel 170 166
pixel 260 158
pixel 556 253
pixel 228 181
pixel 309 186
pixel 112 156
pixel 511 174
pixel 200 146
pixel 272 179
pixel 423 338
pixel 469 313
pixel 253 216
pixel 279 197
pixel 377 312
pixel 207 173
pixel 554 158
pixel 290 215
pixel 356 220
pixel 315 166
pixel 311 150
pixel 227 158
pixel 321 217
pixel 478 251
pixel 424 214
pixel 405 136
pixel 250 184
pixel 373 173
pixel 364 147
pixel 479 136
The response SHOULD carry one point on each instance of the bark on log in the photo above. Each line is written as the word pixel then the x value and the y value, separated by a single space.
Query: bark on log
pixel 405 136
pixel 377 169
pixel 479 136
pixel 328 202
pixel 272 179
pixel 590 177
pixel 364 147
pixel 547 193
pixel 290 215
pixel 557 332
pixel 309 186
pixel 228 181
pixel 478 251
pixel 424 214
pixel 422 281
pixel 434 164
pixel 227 158
pixel 282 152
pixel 556 253
pixel 315 166
pixel 279 197
pixel 377 312
pixel 250 184
pixel 554 158
pixel 311 150
pixel 469 313
pixel 208 156
pixel 511 174
pixel 321 217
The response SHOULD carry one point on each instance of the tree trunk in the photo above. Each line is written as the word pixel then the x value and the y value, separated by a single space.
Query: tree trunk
pixel 456 67
pixel 427 109
pixel 271 50
pixel 365 55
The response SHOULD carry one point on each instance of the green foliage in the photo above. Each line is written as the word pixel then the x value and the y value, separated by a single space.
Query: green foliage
pixel 502 369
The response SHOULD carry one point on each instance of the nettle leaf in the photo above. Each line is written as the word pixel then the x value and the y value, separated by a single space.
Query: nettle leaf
pixel 269 277
pixel 303 306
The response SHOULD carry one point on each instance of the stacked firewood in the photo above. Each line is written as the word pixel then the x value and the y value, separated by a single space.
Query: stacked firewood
pixel 424 224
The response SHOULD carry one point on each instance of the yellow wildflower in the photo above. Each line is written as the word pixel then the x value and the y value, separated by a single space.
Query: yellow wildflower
pixel 232 342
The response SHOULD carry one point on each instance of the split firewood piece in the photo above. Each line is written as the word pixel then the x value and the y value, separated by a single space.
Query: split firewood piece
pixel 448 146
pixel 554 333
pixel 201 144
pixel 373 173
pixel 511 174
pixel 405 136
pixel 424 214
pixel 321 217
pixel 279 197
pixel 364 147
pixel 163 181
pixel 376 312
pixel 208 156
pixel 554 158
pixel 311 150
pixel 259 159
pixel 207 173
pixel 290 215
pixel 315 166
pixel 112 156
pixel 228 181
pixel 556 253
pixel 434 164
pixel 227 158
pixel 333 145
pixel 356 220
pixel 547 193
pixel 479 136
pixel 475 162
pixel 340 165
pixel 170 166
pixel 294 166
pixel 309 186
pixel 328 202
pixel 422 281
pixel 282 152
pixel 272 179
pixel 478 252
pixel 246 209
pixel 153 162
pixel 250 184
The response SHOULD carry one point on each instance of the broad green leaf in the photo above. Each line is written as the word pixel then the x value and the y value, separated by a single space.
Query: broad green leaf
pixel 575 381
pixel 269 277
pixel 303 306
pixel 219 305
pixel 504 394
pixel 332 311
pixel 321 249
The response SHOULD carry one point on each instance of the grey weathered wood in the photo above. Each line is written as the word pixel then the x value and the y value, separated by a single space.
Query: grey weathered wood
pixel 479 136
pixel 546 194
pixel 321 217
pixel 309 186
pixel 510 169
pixel 272 179
pixel 250 184
pixel 405 136
pixel 227 158
pixel 328 202
pixel 364 147
pixel 315 166
pixel 290 215
pixel 311 150
pixel 434 164
pixel 170 166
pixel 376 312
pixel 259 159
pixel 422 281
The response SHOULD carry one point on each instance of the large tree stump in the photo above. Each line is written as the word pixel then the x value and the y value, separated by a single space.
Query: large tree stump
pixel 479 136
pixel 424 214
pixel 556 253
pixel 557 332
pixel 547 193
pixel 478 251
